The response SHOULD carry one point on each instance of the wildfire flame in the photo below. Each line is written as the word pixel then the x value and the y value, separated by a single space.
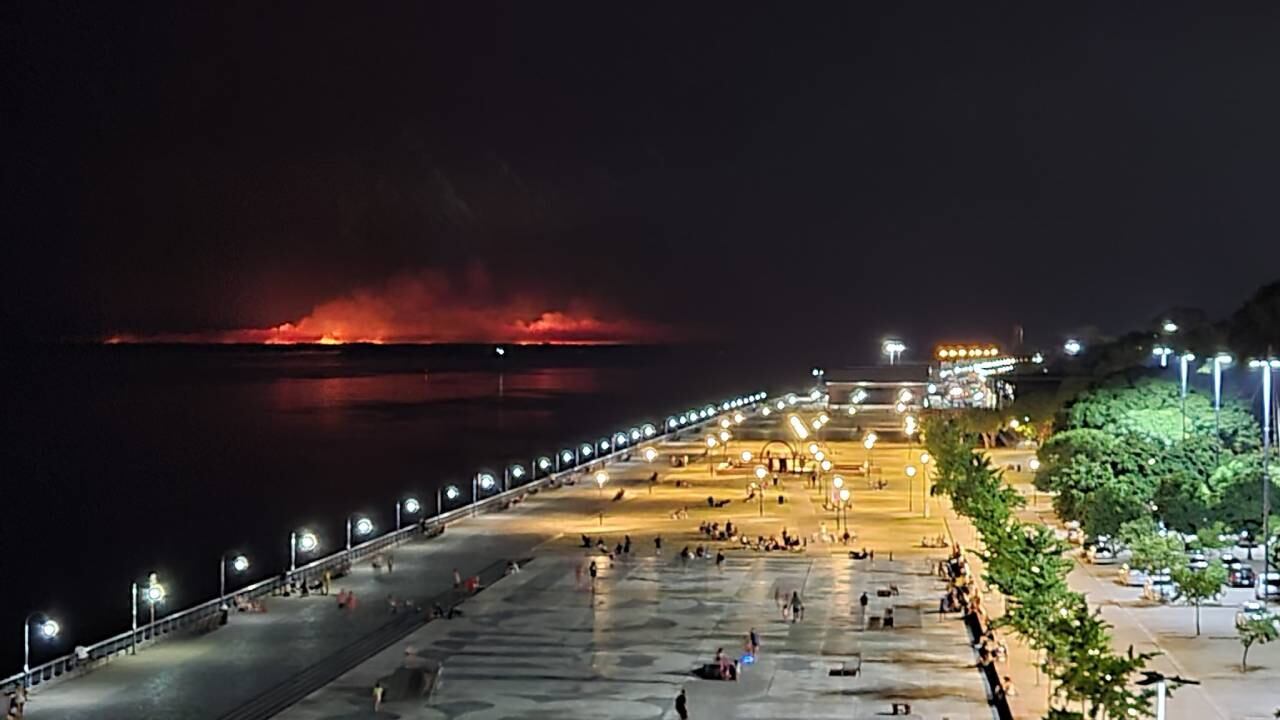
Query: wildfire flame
pixel 427 308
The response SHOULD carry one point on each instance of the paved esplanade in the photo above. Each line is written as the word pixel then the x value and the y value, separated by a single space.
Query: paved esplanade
pixel 534 645
pixel 540 644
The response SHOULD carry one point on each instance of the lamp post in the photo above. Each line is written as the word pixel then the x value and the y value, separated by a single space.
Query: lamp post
pixel 239 564
pixel 1266 366
pixel 844 506
pixel 894 349
pixel 363 527
pixel 1219 361
pixel 837 484
pixel 757 489
pixel 601 478
pixel 480 481
pixel 1163 353
pixel 925 459
pixel 154 594
pixel 1183 360
pixel 48 629
pixel 1072 347
pixel 411 506
pixel 869 442
pixel 911 473
pixel 303 541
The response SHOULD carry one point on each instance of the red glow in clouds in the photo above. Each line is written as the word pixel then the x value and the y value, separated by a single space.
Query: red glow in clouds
pixel 426 308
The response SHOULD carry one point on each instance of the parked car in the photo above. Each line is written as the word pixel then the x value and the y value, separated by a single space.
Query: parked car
pixel 1101 555
pixel 1159 588
pixel 1251 611
pixel 1075 535
pixel 1131 577
pixel 1230 561
pixel 1267 585
pixel 1241 576
pixel 1197 561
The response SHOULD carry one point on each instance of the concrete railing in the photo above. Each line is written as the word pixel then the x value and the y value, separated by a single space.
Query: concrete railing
pixel 207 615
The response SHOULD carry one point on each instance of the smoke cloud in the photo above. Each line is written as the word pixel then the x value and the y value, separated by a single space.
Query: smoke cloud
pixel 434 307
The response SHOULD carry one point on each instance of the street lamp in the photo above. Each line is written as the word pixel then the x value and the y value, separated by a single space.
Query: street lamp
pixel 894 349
pixel 798 427
pixel 47 629
pixel 410 506
pixel 1170 327
pixel 925 459
pixel 601 478
pixel 757 489
pixel 844 506
pixel 1183 360
pixel 303 541
pixel 1219 361
pixel 910 471
pixel 153 594
pixel 239 564
pixel 650 454
pixel 746 456
pixel 761 472
pixel 869 442
pixel 480 481
pixel 363 526
pixel 1266 366
pixel 1072 347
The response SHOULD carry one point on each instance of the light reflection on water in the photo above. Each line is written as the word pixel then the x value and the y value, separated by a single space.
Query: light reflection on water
pixel 165 458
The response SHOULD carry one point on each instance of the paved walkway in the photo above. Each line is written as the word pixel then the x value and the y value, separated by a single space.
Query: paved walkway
pixel 539 645
pixel 630 648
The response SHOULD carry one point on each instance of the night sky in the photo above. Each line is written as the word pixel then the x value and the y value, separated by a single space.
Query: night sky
pixel 643 170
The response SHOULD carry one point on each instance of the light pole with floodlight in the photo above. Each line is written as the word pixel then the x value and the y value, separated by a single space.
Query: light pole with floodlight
pixel 1266 366
pixel 1219 361
pixel 49 629
pixel 844 506
pixel 411 506
pixel 301 541
pixel 239 564
pixel 1183 360
pixel 363 527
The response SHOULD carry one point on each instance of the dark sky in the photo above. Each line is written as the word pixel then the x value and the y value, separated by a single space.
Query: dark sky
pixel 839 169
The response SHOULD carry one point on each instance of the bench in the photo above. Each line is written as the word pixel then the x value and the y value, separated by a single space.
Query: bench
pixel 848 668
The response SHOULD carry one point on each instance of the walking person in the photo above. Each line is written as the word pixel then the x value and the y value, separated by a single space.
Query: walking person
pixel 325 580
pixel 457 579
pixel 391 563
pixel 626 544
pixel 594 571
pixel 378 691
pixel 797 607
pixel 719 558
pixel 753 638
pixel 682 706
pixel 657 550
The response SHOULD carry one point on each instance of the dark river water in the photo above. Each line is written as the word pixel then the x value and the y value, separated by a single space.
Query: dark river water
pixel 123 460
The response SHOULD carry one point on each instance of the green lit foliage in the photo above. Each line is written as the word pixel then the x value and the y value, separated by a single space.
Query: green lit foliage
pixel 1196 586
pixel 1027 564
pixel 1256 631
pixel 1149 550
pixel 1152 409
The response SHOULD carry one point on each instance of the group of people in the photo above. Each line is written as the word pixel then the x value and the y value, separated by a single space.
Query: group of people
pixel 714 531
pixel 789 605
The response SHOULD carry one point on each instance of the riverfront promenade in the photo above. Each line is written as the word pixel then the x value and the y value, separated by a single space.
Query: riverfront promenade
pixel 541 644
pixel 535 645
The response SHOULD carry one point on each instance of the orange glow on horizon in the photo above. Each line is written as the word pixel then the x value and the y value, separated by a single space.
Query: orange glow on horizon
pixel 427 309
